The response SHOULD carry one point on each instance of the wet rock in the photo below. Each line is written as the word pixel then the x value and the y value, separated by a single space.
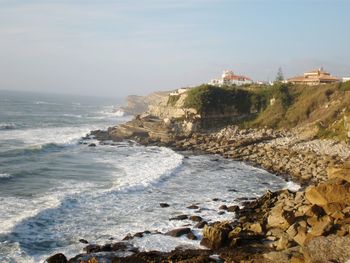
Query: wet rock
pixel 201 224
pixel 178 232
pixel 180 217
pixel 193 207
pixel 57 258
pixel 93 248
pixel 84 241
pixel 223 207
pixel 163 205
pixel 191 236
pixel 92 145
pixel 216 235
pixel 233 209
pixel 195 218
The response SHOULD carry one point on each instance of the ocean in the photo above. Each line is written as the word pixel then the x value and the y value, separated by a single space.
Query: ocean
pixel 56 190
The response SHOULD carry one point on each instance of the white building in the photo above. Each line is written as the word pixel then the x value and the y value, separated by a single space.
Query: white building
pixel 229 78
pixel 345 79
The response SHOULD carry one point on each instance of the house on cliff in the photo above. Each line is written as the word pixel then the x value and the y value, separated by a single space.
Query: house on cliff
pixel 314 77
pixel 229 78
pixel 346 79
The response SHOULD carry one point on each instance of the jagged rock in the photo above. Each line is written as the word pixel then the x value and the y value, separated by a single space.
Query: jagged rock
pixel 326 193
pixel 280 218
pixel 341 173
pixel 216 235
pixel 256 228
pixel 178 232
pixel 319 226
pixel 57 258
pixel 327 249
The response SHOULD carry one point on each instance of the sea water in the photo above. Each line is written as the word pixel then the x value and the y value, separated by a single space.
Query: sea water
pixel 56 190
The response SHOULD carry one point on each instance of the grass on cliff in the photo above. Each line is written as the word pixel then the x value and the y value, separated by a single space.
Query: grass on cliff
pixel 208 99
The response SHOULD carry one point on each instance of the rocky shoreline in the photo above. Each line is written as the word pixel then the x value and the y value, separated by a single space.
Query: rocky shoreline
pixel 311 224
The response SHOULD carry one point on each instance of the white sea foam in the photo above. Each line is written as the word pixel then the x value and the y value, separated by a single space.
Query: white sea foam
pixel 46 103
pixel 7 126
pixel 291 186
pixel 152 165
pixel 5 175
pixel 73 115
pixel 39 137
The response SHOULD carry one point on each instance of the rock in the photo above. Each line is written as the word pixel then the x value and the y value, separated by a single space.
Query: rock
pixel 255 227
pixel 180 217
pixel 193 207
pixel 341 173
pixel 328 249
pixel 163 205
pixel 84 241
pixel 280 218
pixel 178 232
pixel 201 224
pixel 326 193
pixel 321 225
pixel 216 235
pixel 233 209
pixel 57 258
pixel 191 236
pixel 283 243
pixel 92 145
pixel 93 248
pixel 301 235
pixel 221 212
pixel 223 207
pixel 195 218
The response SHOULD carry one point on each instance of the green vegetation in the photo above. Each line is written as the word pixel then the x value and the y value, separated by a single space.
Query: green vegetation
pixel 173 99
pixel 278 106
pixel 208 99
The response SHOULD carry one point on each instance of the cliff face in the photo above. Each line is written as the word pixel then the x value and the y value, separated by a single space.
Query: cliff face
pixel 139 104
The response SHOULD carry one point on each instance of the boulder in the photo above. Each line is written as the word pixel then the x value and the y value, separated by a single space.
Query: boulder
pixel 321 225
pixel 280 218
pixel 216 235
pixel 326 193
pixel 57 258
pixel 341 173
pixel 163 205
pixel 195 218
pixel 178 232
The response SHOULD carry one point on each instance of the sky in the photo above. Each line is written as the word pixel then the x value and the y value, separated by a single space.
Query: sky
pixel 122 47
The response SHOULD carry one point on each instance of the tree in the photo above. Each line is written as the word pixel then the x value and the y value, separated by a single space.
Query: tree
pixel 279 76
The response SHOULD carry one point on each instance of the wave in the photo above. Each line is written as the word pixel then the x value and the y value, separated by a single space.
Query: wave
pixel 7 126
pixel 34 149
pixel 5 175
pixel 72 115
pixel 46 103
pixel 144 168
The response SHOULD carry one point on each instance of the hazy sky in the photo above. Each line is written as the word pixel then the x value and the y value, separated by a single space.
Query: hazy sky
pixel 125 47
